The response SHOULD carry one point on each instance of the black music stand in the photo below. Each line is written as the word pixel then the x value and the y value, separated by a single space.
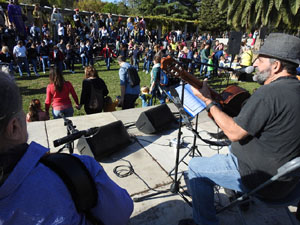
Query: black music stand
pixel 174 188
pixel 179 104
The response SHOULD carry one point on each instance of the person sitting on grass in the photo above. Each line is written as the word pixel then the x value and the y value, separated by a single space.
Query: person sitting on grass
pixel 109 105
pixel 35 112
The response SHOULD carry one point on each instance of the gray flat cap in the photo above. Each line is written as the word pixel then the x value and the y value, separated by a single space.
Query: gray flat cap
pixel 282 46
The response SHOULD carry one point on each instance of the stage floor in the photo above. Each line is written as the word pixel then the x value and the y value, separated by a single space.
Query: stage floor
pixel 152 159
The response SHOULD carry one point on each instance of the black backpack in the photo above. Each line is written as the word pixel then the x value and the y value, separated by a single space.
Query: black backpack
pixel 133 76
pixel 78 180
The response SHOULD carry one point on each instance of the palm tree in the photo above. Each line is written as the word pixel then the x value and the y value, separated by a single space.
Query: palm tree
pixel 254 13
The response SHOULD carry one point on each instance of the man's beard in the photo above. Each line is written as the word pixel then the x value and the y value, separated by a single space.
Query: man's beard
pixel 261 77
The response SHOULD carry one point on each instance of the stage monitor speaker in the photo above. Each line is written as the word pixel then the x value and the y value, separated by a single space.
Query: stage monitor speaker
pixel 234 42
pixel 263 33
pixel 155 120
pixel 111 138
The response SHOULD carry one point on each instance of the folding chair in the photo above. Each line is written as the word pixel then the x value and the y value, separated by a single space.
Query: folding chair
pixel 289 169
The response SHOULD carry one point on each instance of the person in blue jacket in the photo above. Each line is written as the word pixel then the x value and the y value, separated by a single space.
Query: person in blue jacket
pixel 30 192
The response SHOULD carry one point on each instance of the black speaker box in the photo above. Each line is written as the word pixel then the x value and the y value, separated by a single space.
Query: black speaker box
pixel 155 120
pixel 234 42
pixel 263 33
pixel 111 138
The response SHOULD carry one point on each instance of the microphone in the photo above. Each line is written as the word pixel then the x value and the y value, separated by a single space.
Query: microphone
pixel 248 70
pixel 75 135
pixel 255 78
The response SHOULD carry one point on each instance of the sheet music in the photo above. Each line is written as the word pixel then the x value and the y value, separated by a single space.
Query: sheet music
pixel 192 104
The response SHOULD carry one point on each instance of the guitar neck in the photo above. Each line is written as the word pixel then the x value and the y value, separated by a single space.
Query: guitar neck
pixel 195 82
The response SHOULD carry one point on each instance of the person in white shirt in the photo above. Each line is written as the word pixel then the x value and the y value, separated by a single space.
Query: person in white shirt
pixel 20 55
pixel 61 31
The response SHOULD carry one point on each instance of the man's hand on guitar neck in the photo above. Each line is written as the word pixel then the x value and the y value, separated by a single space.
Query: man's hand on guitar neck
pixel 233 131
pixel 204 93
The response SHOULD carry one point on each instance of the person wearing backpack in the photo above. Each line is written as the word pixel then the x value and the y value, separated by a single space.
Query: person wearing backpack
pixel 93 91
pixel 157 86
pixel 129 89
pixel 33 193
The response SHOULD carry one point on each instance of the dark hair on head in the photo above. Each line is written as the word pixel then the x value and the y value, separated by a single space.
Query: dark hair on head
pixel 290 67
pixel 34 108
pixel 56 77
pixel 11 100
pixel 90 71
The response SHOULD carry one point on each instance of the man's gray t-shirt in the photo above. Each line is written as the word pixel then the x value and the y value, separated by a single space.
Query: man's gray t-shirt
pixel 271 116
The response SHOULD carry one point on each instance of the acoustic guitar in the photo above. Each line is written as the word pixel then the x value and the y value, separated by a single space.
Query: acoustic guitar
pixel 231 99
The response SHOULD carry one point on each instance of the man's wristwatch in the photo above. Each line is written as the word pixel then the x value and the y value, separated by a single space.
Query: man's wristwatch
pixel 211 105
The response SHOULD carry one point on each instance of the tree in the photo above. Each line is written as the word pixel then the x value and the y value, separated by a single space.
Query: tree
pixel 255 13
pixel 90 5
pixel 210 18
pixel 110 8
pixel 182 9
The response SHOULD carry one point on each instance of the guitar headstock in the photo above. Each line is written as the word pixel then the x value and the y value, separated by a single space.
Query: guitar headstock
pixel 171 66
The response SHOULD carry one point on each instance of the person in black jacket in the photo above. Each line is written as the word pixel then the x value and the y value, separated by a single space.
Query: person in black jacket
pixel 32 55
pixel 44 53
pixel 70 57
pixel 92 80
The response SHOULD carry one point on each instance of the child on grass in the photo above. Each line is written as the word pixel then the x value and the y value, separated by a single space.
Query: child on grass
pixel 35 112
pixel 109 105
pixel 145 96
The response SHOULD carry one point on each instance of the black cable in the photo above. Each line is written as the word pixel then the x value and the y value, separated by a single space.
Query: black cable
pixel 127 170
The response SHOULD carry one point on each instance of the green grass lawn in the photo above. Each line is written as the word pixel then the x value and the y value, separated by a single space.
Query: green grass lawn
pixel 35 87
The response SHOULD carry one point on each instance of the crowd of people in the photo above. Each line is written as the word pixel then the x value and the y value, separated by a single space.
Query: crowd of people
pixel 86 39
pixel 264 135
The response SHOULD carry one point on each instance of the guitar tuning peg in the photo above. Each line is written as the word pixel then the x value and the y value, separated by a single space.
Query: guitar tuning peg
pixel 176 73
pixel 176 65
pixel 172 71
pixel 180 68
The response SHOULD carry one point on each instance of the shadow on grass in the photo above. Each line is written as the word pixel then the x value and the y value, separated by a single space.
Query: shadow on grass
pixel 28 91
pixel 105 70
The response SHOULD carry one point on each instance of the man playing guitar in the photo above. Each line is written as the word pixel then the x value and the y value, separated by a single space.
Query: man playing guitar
pixel 265 134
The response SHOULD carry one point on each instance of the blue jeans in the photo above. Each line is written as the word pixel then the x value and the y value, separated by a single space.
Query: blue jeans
pixel 45 59
pixel 84 61
pixel 204 174
pixel 136 63
pixel 20 61
pixel 203 67
pixel 67 112
pixel 34 63
pixel 148 65
pixel 107 62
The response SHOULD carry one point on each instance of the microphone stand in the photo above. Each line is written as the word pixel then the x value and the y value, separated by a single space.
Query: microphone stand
pixel 70 130
pixel 72 134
